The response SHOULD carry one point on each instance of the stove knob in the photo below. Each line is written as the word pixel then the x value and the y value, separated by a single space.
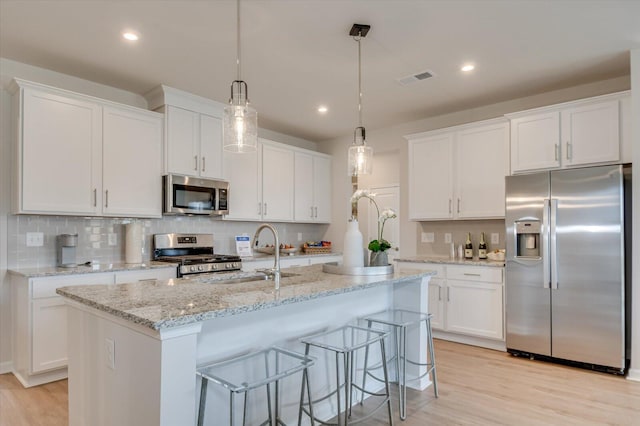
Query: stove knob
pixel 192 268
pixel 214 266
pixel 228 266
pixel 236 265
pixel 201 268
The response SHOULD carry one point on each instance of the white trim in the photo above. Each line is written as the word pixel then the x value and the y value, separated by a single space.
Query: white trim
pixel 570 104
pixel 40 379
pixel 434 132
pixel 6 367
pixel 633 374
pixel 496 345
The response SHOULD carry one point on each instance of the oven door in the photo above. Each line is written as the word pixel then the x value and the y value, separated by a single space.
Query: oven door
pixel 194 196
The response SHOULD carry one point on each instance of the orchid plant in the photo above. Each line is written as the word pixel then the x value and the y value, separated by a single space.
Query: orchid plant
pixel 380 244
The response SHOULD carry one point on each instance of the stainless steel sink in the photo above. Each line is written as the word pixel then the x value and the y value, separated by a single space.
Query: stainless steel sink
pixel 244 279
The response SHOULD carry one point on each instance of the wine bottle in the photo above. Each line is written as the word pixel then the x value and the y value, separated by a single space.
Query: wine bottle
pixel 482 247
pixel 468 247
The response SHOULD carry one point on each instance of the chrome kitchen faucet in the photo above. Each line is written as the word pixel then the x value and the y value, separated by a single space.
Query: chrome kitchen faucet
pixel 276 265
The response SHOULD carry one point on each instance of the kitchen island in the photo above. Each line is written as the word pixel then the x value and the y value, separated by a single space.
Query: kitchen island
pixel 134 348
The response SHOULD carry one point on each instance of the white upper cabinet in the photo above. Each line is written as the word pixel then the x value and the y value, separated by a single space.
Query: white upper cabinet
pixel 573 134
pixel 244 173
pixel 79 155
pixel 312 192
pixel 277 182
pixel 194 143
pixel 458 173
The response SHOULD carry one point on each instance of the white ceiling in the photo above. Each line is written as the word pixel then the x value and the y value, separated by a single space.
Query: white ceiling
pixel 297 54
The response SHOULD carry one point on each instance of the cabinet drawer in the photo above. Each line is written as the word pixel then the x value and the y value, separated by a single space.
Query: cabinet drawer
pixel 146 274
pixel 46 286
pixel 437 267
pixel 477 273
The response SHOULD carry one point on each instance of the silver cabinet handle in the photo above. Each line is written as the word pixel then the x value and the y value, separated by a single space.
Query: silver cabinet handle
pixel 311 211
pixel 95 197
pixel 449 205
pixel 259 208
pixel 316 210
pixel 106 198
pixel 458 205
pixel 439 293
pixel 195 159
pixel 448 295
pixel 471 275
pixel 203 163
pixel 569 151
pixel 556 151
pixel 265 209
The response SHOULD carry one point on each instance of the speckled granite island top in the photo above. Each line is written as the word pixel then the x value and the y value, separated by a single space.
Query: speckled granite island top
pixel 449 261
pixel 170 303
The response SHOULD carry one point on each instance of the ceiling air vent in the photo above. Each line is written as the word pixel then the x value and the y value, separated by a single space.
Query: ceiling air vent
pixel 414 78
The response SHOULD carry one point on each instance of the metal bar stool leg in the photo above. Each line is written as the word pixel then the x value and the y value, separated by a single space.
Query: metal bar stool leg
pixel 364 370
pixel 432 357
pixel 386 380
pixel 203 401
pixel 403 380
pixel 338 383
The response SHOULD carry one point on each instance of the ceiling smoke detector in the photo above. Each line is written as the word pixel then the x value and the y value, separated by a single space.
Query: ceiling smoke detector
pixel 414 78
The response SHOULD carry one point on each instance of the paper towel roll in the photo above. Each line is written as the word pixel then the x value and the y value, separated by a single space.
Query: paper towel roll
pixel 133 243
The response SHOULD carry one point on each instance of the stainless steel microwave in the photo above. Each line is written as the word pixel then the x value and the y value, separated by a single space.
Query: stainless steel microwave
pixel 195 196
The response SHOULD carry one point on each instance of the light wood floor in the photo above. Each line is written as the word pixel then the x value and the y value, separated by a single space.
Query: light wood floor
pixel 477 387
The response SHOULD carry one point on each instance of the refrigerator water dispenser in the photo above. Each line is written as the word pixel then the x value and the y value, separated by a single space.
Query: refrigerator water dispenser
pixel 528 238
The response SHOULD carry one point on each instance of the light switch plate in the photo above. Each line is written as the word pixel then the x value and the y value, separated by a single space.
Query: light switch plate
pixel 447 238
pixel 495 238
pixel 299 236
pixel 35 239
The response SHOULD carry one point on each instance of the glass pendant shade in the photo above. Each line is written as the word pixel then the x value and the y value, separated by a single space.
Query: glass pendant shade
pixel 360 160
pixel 239 122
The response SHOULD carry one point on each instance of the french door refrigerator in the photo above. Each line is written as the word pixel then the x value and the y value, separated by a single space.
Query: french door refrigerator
pixel 566 269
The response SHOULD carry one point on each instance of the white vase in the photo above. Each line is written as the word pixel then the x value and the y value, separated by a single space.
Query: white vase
pixel 353 250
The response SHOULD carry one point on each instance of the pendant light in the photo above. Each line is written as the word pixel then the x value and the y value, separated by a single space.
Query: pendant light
pixel 360 155
pixel 240 120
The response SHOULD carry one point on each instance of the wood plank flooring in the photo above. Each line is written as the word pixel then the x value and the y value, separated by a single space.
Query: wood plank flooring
pixel 477 387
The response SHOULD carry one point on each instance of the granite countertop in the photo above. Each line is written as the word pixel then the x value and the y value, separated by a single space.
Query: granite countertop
pixel 265 256
pixel 449 261
pixel 170 303
pixel 48 271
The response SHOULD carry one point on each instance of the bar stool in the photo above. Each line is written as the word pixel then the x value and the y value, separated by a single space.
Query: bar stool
pixel 344 342
pixel 400 320
pixel 250 371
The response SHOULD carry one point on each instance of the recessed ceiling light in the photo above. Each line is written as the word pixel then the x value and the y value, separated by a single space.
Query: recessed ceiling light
pixel 467 68
pixel 131 36
pixel 322 109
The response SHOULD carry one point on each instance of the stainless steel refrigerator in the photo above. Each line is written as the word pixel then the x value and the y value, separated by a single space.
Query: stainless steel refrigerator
pixel 568 266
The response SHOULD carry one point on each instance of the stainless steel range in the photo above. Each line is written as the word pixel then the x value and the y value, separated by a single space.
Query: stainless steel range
pixel 193 253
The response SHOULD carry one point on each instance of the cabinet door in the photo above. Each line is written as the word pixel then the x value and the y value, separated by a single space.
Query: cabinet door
pixel 182 141
pixel 123 277
pixel 210 146
pixel 277 183
pixel 474 308
pixel 590 134
pixel 431 178
pixel 436 303
pixel 60 152
pixel 244 171
pixel 481 166
pixel 303 188
pixel 322 189
pixel 49 338
pixel 535 142
pixel 132 163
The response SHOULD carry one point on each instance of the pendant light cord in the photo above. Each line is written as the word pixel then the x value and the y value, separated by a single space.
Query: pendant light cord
pixel 357 39
pixel 238 37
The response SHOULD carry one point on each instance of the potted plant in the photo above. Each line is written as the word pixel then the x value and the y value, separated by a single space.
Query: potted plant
pixel 379 246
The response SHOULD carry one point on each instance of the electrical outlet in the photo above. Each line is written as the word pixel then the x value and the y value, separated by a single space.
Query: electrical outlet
pixel 495 238
pixel 110 353
pixel 113 239
pixel 447 238
pixel 427 237
pixel 35 239
pixel 299 236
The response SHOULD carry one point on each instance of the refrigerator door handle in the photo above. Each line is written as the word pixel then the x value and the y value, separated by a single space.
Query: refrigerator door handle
pixel 553 251
pixel 546 269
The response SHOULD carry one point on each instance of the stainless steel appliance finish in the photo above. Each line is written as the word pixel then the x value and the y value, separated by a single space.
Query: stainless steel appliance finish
pixel 194 254
pixel 566 298
pixel 195 196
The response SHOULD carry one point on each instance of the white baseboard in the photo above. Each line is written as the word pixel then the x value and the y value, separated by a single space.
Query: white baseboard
pixel 6 367
pixel 633 374
pixel 497 345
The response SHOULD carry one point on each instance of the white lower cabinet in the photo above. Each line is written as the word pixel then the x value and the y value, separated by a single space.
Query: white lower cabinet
pixel 40 320
pixel 289 261
pixel 465 302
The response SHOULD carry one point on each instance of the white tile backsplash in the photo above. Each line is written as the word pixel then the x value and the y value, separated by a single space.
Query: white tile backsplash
pixel 93 236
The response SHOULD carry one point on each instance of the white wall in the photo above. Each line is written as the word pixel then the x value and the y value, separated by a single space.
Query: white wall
pixel 634 371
